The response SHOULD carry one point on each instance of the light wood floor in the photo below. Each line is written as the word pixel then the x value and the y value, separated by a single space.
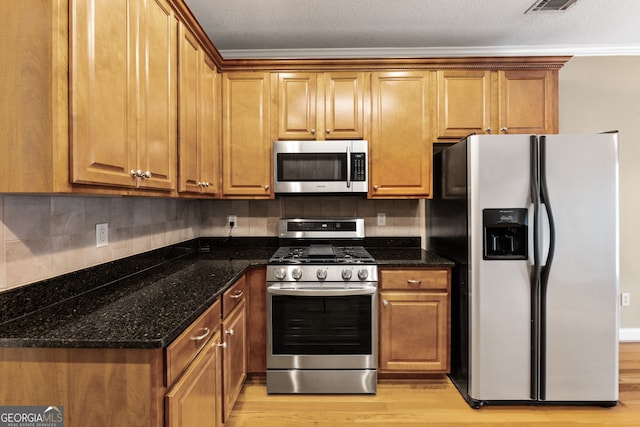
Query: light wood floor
pixel 430 403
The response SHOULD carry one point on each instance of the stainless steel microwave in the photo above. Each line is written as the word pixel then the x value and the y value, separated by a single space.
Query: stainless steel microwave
pixel 337 166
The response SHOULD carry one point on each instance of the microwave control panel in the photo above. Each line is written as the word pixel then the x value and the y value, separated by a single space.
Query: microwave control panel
pixel 358 167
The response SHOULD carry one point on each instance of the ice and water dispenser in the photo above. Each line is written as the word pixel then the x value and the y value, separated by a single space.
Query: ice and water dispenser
pixel 505 233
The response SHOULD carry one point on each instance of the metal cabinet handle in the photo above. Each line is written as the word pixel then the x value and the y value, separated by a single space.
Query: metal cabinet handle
pixel 328 130
pixel 487 130
pixel 504 129
pixel 237 294
pixel 375 187
pixel 313 131
pixel 230 332
pixel 205 333
pixel 385 303
pixel 140 174
pixel 266 187
pixel 223 345
pixel 414 282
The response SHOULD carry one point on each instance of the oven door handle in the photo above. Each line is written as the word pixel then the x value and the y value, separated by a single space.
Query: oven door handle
pixel 322 292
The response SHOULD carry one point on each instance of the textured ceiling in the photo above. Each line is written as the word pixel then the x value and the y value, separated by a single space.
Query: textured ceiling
pixel 404 28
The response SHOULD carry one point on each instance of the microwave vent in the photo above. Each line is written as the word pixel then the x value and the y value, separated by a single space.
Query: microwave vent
pixel 551 6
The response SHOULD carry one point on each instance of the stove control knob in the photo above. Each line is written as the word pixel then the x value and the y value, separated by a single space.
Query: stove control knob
pixel 281 273
pixel 346 274
pixel 296 273
pixel 321 274
pixel 363 274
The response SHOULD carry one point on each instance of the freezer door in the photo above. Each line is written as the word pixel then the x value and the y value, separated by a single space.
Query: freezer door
pixel 582 296
pixel 499 300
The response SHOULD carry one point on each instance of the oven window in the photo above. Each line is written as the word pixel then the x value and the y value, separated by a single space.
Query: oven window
pixel 317 325
pixel 312 167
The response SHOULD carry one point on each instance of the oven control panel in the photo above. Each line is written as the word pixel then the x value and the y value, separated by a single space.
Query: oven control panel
pixel 322 273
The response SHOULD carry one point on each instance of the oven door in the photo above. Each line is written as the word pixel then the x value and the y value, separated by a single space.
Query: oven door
pixel 321 328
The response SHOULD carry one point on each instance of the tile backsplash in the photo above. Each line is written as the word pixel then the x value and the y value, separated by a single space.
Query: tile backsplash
pixel 260 218
pixel 45 236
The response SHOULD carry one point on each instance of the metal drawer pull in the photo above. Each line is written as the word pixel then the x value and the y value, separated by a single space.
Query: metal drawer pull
pixel 414 282
pixel 385 302
pixel 205 333
pixel 223 345
pixel 230 332
pixel 237 294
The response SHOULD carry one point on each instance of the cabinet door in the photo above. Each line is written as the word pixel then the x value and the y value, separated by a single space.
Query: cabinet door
pixel 257 318
pixel 195 400
pixel 414 331
pixel 234 356
pixel 528 101
pixel 400 146
pixel 199 118
pixel 209 128
pixel 246 142
pixel 103 102
pixel 344 105
pixel 156 140
pixel 297 106
pixel 464 103
pixel 190 57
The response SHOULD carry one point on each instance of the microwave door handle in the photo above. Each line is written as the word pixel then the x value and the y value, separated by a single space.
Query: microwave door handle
pixel 348 168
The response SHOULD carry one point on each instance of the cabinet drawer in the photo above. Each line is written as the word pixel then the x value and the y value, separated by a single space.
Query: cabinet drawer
pixel 414 279
pixel 233 296
pixel 185 348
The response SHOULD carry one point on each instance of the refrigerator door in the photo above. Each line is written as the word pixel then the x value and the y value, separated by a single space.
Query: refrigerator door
pixel 499 300
pixel 582 297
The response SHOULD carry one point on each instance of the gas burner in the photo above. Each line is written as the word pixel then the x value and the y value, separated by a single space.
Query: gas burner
pixel 321 254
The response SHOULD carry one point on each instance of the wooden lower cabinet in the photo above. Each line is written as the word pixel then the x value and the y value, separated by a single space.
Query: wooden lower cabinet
pixel 234 356
pixel 96 387
pixel 414 321
pixel 194 374
pixel 195 400
pixel 257 318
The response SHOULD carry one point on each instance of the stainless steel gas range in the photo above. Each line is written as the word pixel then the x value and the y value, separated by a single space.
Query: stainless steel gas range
pixel 322 309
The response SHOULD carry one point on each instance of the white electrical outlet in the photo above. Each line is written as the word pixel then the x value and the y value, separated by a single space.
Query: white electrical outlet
pixel 102 235
pixel 626 299
pixel 232 221
pixel 382 219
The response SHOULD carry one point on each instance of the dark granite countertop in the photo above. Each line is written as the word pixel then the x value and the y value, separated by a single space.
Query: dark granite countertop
pixel 147 300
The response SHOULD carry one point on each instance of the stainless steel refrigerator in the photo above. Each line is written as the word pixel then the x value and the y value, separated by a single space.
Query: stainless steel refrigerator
pixel 533 225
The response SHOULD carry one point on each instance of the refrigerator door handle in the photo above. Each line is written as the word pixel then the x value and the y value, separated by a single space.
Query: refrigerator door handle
pixel 534 183
pixel 544 275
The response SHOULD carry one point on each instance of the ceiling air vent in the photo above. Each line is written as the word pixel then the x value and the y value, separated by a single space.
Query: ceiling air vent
pixel 551 6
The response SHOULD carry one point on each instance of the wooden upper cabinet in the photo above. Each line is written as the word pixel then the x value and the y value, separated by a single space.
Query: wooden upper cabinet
pixel 464 103
pixel 209 128
pixel 321 105
pixel 297 106
pixel 246 135
pixel 400 145
pixel 102 76
pixel 528 101
pixel 496 102
pixel 157 103
pixel 344 105
pixel 199 121
pixel 123 94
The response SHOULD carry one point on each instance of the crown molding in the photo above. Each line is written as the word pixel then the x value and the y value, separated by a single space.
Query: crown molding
pixel 433 52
